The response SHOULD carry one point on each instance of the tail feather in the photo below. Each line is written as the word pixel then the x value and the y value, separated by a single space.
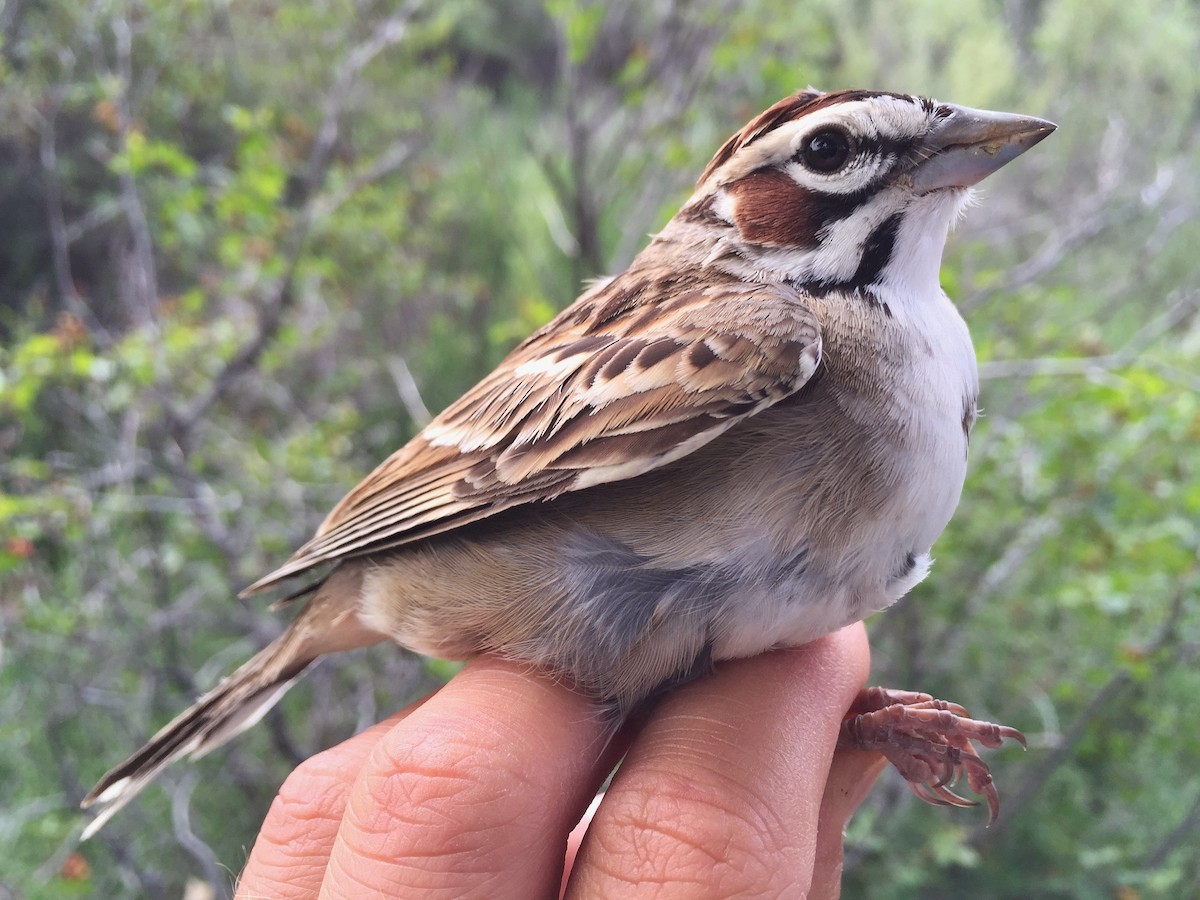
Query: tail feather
pixel 329 623
pixel 231 707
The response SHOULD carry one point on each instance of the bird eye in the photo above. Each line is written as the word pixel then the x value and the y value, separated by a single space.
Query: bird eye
pixel 826 151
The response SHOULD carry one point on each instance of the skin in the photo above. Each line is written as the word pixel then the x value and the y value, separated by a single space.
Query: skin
pixel 730 787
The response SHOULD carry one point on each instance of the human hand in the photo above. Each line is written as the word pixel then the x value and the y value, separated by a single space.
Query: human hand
pixel 731 787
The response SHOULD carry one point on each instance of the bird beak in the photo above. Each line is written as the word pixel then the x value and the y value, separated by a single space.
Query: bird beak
pixel 971 144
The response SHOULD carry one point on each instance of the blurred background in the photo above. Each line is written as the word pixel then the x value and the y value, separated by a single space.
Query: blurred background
pixel 245 248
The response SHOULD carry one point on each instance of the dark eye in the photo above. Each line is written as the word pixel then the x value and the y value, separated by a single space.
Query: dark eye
pixel 826 151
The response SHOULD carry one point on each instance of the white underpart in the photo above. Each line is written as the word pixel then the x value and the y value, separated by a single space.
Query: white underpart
pixel 916 262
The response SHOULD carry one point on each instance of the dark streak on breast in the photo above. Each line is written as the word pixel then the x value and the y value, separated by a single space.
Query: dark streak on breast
pixel 970 413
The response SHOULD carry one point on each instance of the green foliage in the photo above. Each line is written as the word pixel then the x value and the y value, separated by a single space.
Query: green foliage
pixel 233 231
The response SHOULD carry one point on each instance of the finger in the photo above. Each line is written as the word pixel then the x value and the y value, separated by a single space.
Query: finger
pixel 292 850
pixel 474 794
pixel 720 794
pixel 851 777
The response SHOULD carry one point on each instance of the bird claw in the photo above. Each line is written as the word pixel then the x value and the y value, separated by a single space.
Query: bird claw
pixel 930 742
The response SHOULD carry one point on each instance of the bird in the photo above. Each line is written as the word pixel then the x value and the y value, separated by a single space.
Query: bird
pixel 749 438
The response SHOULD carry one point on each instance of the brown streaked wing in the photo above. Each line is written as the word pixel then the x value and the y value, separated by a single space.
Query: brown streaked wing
pixel 589 399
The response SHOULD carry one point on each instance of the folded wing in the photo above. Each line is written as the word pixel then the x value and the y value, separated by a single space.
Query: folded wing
pixel 611 389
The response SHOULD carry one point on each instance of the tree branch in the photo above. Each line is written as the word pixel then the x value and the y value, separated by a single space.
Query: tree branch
pixel 406 387
pixel 316 168
pixel 384 165
pixel 1098 212
pixel 181 795
pixel 1180 309
pixel 143 274
pixel 1188 826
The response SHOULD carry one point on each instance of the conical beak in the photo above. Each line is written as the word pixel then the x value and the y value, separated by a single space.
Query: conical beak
pixel 971 144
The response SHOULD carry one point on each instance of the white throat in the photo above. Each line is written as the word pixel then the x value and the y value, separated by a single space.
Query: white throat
pixel 915 266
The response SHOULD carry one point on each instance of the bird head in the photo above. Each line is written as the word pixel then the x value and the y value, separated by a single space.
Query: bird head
pixel 850 190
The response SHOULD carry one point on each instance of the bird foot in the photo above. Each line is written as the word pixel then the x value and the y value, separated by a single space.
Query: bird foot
pixel 929 741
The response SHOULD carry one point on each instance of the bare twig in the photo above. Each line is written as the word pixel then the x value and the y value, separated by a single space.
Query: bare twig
pixel 1179 310
pixel 1098 212
pixel 62 235
pixel 584 216
pixel 385 164
pixel 181 795
pixel 680 57
pixel 602 128
pixel 60 243
pixel 1187 830
pixel 1039 773
pixel 142 275
pixel 1027 542
pixel 406 387
pixel 386 34
pixel 100 214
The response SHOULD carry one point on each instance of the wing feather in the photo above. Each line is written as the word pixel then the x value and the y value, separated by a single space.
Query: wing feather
pixel 603 393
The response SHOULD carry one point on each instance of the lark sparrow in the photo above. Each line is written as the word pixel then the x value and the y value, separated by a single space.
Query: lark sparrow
pixel 748 439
